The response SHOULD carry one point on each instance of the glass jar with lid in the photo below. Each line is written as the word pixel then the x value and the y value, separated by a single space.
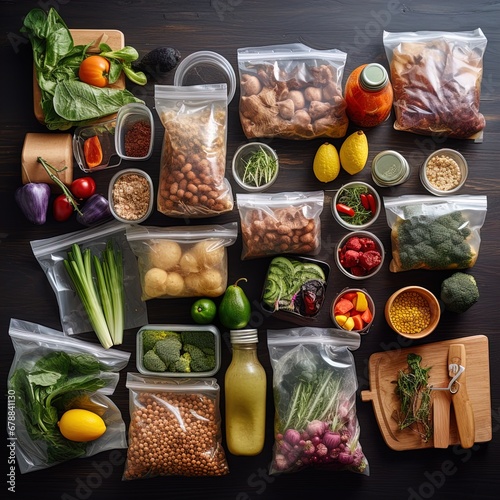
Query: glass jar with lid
pixel 389 168
pixel 368 95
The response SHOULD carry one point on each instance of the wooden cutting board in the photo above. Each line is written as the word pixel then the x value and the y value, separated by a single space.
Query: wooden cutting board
pixel 383 371
pixel 114 38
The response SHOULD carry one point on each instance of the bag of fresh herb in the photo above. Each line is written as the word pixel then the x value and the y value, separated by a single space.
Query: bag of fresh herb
pixel 314 388
pixel 54 379
pixel 94 275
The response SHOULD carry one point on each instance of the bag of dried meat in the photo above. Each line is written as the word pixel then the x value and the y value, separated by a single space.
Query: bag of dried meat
pixel 193 161
pixel 292 91
pixel 280 223
pixel 436 77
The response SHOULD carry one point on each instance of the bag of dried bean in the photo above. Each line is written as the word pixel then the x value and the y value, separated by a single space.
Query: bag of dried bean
pixel 280 223
pixel 175 428
pixel 193 160
pixel 185 261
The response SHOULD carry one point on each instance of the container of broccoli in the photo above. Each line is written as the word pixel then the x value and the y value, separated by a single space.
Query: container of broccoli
pixel 178 350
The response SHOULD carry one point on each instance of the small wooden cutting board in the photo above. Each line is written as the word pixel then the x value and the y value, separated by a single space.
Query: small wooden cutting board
pixel 383 371
pixel 114 38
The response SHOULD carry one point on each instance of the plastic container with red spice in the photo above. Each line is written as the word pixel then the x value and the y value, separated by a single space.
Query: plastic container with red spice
pixel 134 135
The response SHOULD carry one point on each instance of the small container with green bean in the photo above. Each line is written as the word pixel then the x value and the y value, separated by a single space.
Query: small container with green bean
pixel 255 166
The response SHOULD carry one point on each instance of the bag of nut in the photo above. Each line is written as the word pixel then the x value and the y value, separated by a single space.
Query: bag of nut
pixel 193 160
pixel 292 91
pixel 436 77
pixel 279 223
pixel 175 428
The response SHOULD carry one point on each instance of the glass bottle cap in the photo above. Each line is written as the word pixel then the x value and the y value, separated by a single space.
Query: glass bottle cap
pixel 373 77
pixel 389 168
pixel 244 336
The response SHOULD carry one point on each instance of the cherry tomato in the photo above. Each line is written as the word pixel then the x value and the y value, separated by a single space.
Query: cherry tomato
pixel 344 209
pixel 62 208
pixel 94 70
pixel 83 188
pixel 372 202
pixel 364 201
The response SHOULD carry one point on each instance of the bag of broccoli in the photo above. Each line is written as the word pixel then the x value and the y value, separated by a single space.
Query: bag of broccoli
pixel 434 233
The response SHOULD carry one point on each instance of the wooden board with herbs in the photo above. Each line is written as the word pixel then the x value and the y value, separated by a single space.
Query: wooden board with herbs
pixel 114 38
pixel 383 371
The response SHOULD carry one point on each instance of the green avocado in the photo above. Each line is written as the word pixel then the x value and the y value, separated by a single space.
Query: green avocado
pixel 235 309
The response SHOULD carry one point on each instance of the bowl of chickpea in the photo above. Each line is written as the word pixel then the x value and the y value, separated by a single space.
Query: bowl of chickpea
pixel 444 172
pixel 413 312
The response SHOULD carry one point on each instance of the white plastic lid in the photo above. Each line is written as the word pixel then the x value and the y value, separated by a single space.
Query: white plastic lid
pixel 249 336
pixel 206 67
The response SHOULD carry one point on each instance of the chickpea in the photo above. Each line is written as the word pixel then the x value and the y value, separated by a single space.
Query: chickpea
pixel 443 172
pixel 410 313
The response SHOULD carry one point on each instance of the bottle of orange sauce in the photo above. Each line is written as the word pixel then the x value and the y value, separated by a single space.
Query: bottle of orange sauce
pixel 245 395
pixel 368 95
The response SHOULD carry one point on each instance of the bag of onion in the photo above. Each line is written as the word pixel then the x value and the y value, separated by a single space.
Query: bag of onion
pixel 174 428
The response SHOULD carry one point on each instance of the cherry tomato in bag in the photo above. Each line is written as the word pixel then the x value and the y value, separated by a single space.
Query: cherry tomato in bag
pixel 83 188
pixel 62 208
pixel 94 70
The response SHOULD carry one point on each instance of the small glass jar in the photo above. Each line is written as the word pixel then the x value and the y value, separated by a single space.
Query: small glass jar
pixel 368 95
pixel 389 168
pixel 245 395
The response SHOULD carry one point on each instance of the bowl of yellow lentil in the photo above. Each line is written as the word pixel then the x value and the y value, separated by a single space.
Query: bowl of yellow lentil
pixel 413 312
pixel 444 172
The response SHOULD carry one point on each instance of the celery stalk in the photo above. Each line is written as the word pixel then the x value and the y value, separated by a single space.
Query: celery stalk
pixel 102 298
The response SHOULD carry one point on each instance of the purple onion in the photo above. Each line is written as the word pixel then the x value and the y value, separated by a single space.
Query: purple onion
pixel 33 200
pixel 292 436
pixel 95 210
pixel 331 439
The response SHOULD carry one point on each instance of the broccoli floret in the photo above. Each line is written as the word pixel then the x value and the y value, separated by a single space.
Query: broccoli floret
pixel 183 364
pixel 200 362
pixel 459 292
pixel 168 349
pixel 204 340
pixel 153 362
pixel 150 337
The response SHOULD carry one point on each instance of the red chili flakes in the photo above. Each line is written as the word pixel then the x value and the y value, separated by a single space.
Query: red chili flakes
pixel 138 139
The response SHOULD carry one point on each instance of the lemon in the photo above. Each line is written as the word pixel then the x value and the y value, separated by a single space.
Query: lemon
pixel 326 164
pixel 354 152
pixel 81 425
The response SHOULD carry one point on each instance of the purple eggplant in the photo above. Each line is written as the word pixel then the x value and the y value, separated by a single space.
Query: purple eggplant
pixel 95 210
pixel 33 200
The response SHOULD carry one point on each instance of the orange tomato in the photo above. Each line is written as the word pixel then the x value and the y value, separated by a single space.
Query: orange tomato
pixel 92 151
pixel 94 70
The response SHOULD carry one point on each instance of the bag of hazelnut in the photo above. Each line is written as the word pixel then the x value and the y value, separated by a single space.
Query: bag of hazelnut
pixel 175 428
pixel 292 91
pixel 193 159
pixel 280 223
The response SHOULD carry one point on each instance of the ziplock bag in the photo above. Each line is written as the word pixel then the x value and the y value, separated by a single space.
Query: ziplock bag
pixel 50 374
pixel 436 77
pixel 292 91
pixel 175 428
pixel 186 261
pixel 51 253
pixel 193 159
pixel 280 223
pixel 436 234
pixel 314 389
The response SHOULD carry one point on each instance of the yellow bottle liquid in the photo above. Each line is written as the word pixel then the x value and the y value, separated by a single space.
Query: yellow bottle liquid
pixel 245 395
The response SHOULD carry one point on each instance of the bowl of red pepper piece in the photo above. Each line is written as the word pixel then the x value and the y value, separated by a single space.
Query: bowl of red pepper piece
pixel 356 205
pixel 353 309
pixel 359 255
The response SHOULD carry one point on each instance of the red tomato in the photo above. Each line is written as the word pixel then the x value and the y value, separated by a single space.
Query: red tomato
pixel 94 70
pixel 62 208
pixel 83 188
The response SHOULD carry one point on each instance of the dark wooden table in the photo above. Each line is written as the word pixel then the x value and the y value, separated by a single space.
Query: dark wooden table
pixel 224 26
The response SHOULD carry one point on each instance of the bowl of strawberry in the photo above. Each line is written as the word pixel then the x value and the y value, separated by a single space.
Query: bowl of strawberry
pixel 359 255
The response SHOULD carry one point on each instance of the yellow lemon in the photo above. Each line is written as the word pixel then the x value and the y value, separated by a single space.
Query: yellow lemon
pixel 326 164
pixel 354 152
pixel 81 425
